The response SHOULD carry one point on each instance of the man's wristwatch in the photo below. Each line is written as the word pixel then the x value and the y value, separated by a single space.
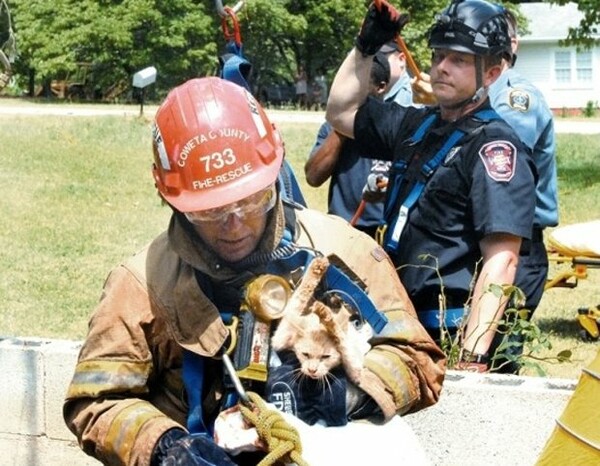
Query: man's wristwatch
pixel 467 356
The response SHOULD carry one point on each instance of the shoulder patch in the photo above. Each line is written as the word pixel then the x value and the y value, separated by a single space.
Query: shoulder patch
pixel 519 100
pixel 499 160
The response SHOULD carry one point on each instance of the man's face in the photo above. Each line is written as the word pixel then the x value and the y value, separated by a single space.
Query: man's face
pixel 397 61
pixel 233 231
pixel 452 76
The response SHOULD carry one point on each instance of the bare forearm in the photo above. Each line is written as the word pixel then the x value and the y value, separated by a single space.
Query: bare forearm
pixel 499 268
pixel 348 91
pixel 322 162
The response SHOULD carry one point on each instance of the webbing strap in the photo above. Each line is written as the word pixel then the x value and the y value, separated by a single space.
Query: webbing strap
pixel 399 166
pixel 422 129
pixel 193 380
pixel 235 68
pixel 334 279
pixel 427 170
pixel 399 222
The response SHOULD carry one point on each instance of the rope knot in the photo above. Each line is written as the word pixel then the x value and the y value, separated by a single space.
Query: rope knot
pixel 282 439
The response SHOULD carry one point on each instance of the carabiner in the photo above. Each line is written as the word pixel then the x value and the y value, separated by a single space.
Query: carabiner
pixel 237 383
pixel 222 9
pixel 234 35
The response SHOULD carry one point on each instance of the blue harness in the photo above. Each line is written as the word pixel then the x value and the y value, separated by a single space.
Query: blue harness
pixel 292 258
pixel 399 168
pixel 234 66
pixel 430 319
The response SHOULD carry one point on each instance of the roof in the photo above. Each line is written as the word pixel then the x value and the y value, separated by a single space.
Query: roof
pixel 549 22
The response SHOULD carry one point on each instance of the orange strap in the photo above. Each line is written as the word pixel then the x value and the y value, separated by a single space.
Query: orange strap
pixel 412 65
pixel 234 35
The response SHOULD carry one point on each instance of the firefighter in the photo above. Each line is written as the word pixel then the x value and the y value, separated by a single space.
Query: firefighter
pixel 150 379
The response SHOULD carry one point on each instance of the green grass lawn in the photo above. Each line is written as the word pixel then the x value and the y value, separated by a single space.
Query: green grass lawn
pixel 78 197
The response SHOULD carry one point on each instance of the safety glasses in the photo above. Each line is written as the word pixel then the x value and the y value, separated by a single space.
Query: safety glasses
pixel 256 204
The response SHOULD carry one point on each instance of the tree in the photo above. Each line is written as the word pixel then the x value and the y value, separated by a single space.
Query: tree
pixel 183 38
pixel 115 38
pixel 583 34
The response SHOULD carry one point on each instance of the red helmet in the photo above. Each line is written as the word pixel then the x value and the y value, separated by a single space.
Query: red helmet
pixel 213 145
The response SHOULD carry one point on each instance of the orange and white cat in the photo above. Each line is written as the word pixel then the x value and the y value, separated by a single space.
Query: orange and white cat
pixel 320 336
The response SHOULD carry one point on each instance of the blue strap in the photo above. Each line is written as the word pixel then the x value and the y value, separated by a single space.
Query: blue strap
pixel 234 66
pixel 289 187
pixel 432 164
pixel 422 129
pixel 399 166
pixel 428 168
pixel 193 380
pixel 431 319
pixel 335 279
pixel 397 170
pixel 393 236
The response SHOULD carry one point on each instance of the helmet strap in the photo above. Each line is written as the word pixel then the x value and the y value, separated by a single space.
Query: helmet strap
pixel 478 79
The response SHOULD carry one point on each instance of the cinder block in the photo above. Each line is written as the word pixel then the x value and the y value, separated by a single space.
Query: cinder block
pixel 494 420
pixel 60 358
pixel 19 450
pixel 22 400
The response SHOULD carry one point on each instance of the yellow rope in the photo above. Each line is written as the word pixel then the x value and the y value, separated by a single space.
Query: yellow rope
pixel 282 439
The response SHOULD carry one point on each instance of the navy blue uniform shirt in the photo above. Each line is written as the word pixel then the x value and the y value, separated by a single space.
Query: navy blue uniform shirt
pixel 485 185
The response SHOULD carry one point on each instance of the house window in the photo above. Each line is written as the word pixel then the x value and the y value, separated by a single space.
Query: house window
pixel 584 66
pixel 562 67
pixel 572 67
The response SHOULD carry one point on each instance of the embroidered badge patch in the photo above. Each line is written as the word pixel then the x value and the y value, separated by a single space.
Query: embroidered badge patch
pixel 519 100
pixel 499 160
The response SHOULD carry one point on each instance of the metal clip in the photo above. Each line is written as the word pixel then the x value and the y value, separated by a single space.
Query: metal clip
pixel 237 383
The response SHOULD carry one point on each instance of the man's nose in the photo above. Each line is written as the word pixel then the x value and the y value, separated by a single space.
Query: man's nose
pixel 233 220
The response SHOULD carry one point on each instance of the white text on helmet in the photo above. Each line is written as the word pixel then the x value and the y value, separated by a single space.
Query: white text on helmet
pixel 218 160
pixel 191 144
pixel 223 177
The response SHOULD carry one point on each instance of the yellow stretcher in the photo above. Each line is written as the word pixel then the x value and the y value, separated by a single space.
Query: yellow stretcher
pixel 577 247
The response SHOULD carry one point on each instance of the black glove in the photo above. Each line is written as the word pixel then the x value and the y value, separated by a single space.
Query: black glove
pixel 379 26
pixel 176 448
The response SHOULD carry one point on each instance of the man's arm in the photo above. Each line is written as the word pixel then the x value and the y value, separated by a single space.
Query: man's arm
pixel 322 161
pixel 349 90
pixel 350 85
pixel 500 253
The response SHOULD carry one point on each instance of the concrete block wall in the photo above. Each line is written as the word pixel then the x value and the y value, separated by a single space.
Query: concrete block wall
pixel 35 374
pixel 480 419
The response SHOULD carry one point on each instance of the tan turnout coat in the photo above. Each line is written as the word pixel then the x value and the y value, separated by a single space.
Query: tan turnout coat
pixel 127 389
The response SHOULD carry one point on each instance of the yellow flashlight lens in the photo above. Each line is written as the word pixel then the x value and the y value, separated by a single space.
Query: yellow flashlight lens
pixel 267 296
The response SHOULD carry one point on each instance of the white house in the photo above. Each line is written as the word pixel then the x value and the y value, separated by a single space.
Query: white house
pixel 568 78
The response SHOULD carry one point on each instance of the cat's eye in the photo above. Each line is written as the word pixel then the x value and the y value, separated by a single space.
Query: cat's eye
pixel 306 355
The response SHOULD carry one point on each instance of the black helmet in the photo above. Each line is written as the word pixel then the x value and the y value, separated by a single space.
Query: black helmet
pixel 472 26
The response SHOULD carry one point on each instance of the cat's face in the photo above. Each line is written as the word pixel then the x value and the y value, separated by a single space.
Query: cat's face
pixel 316 353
